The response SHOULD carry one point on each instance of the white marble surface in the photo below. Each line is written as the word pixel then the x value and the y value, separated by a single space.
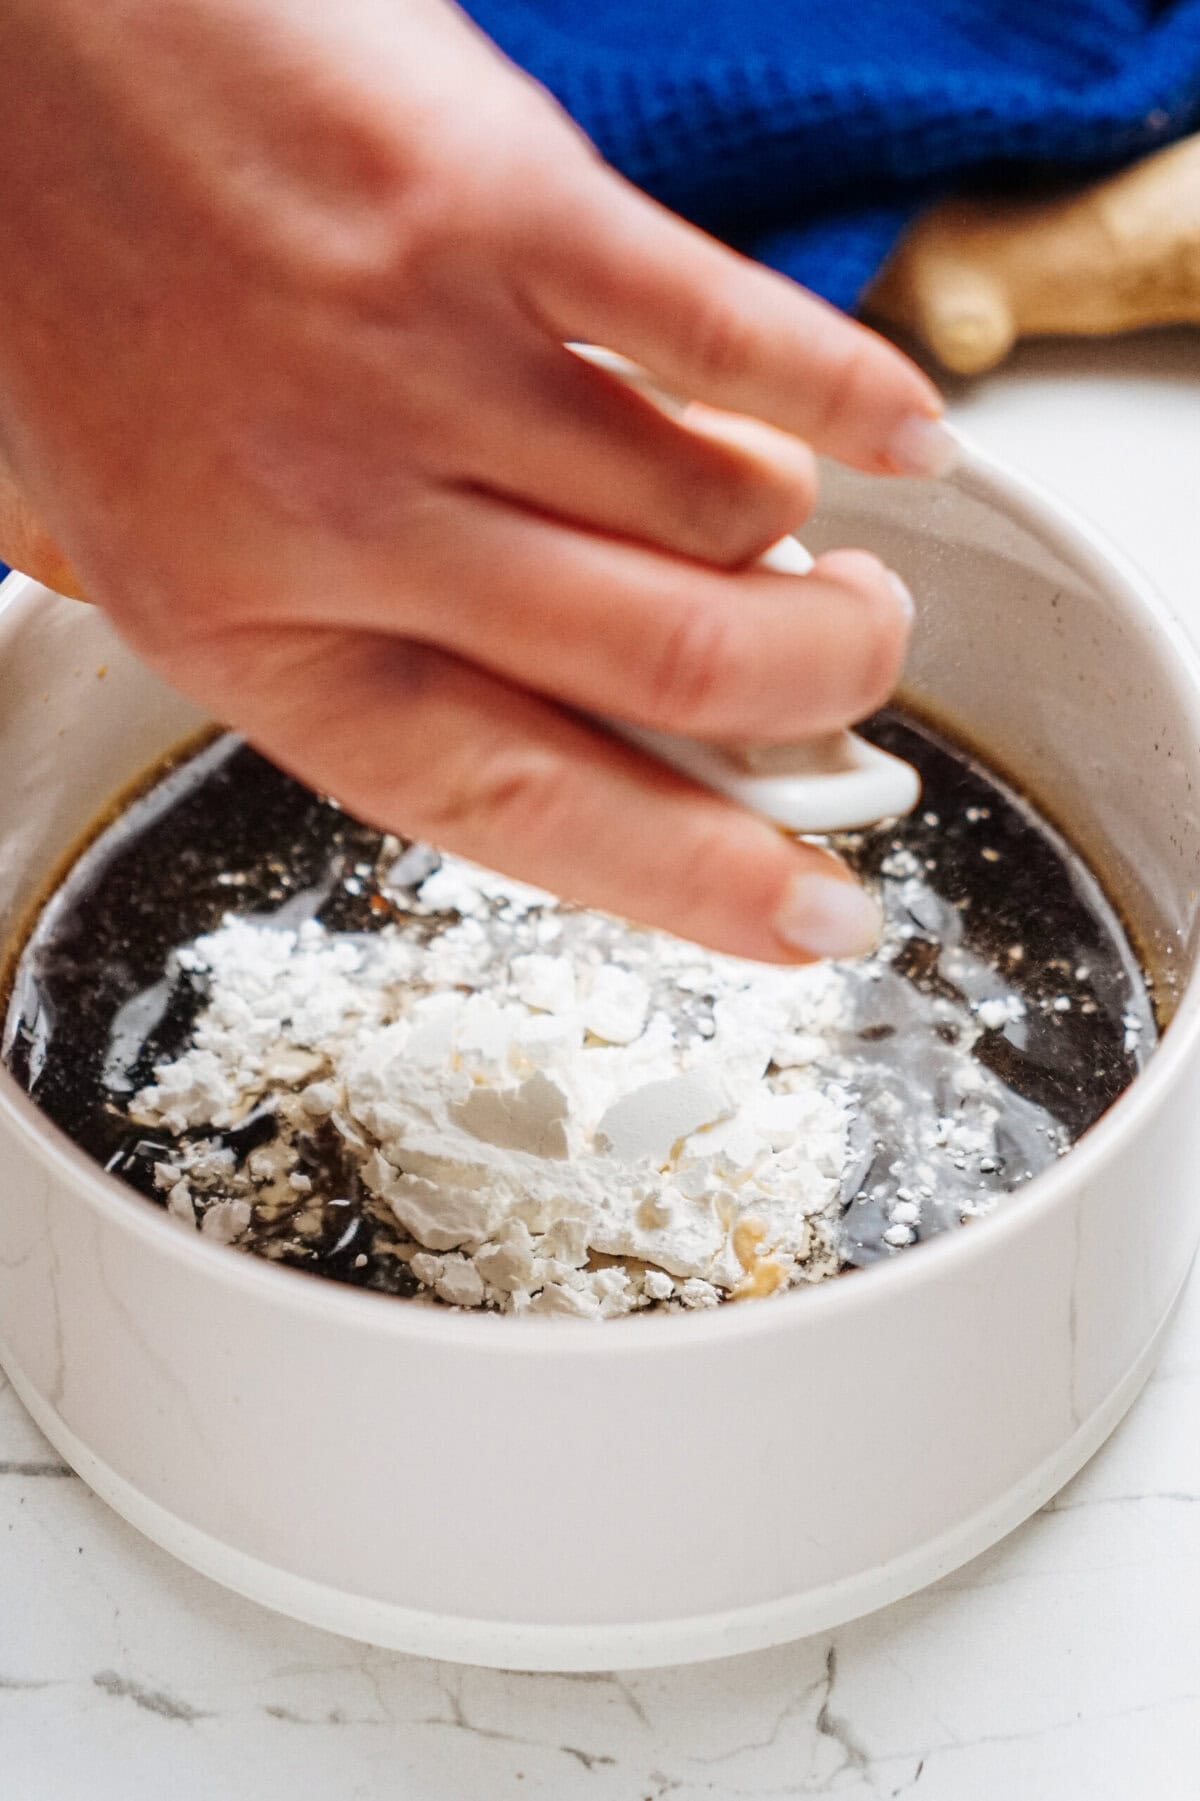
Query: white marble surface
pixel 1065 1663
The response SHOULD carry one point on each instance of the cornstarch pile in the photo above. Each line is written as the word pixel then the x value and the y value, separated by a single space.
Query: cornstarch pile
pixel 562 1113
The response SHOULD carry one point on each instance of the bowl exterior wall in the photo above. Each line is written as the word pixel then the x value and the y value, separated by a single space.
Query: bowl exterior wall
pixel 677 1477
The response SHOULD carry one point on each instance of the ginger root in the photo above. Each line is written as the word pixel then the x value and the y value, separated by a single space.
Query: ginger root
pixel 973 276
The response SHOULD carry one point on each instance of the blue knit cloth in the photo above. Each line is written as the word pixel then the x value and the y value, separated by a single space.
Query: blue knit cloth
pixel 809 132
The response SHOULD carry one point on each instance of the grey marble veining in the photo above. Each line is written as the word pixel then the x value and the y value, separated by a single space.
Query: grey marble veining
pixel 1066 1662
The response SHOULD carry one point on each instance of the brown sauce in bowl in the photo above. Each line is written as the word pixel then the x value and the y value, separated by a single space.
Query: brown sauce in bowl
pixel 997 919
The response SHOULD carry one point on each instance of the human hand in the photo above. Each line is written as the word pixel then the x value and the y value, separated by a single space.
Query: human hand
pixel 282 315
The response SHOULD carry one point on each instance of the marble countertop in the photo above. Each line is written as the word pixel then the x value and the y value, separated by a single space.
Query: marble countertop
pixel 1064 1663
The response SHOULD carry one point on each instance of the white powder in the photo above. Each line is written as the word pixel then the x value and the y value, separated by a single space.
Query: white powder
pixel 996 1013
pixel 525 1090
pixel 534 1108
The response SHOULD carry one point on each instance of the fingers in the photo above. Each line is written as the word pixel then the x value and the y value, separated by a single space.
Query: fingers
pixel 590 450
pixel 652 639
pixel 624 272
pixel 422 744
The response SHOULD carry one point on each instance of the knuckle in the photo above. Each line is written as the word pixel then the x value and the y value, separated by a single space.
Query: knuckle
pixel 398 257
pixel 846 385
pixel 731 513
pixel 781 505
pixel 513 796
pixel 702 862
pixel 726 342
pixel 712 857
pixel 349 196
pixel 693 668
pixel 331 688
pixel 472 189
pixel 397 208
pixel 714 511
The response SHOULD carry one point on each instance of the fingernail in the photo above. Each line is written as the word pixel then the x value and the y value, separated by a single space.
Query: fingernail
pixel 828 918
pixel 903 593
pixel 922 446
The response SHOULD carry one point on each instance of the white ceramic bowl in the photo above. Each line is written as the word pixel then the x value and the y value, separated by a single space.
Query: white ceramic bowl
pixel 547 1494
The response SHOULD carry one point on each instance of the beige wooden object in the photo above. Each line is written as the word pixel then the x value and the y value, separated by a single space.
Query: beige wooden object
pixel 973 276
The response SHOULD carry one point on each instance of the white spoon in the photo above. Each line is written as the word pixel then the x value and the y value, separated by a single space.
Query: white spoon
pixel 837 782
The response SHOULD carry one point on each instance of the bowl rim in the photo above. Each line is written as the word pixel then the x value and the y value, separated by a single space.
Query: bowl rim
pixel 1087 548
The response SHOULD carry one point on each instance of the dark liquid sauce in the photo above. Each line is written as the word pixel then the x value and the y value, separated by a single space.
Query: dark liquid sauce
pixel 990 899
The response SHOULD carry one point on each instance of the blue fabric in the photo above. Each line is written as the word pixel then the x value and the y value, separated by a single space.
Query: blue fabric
pixel 809 132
